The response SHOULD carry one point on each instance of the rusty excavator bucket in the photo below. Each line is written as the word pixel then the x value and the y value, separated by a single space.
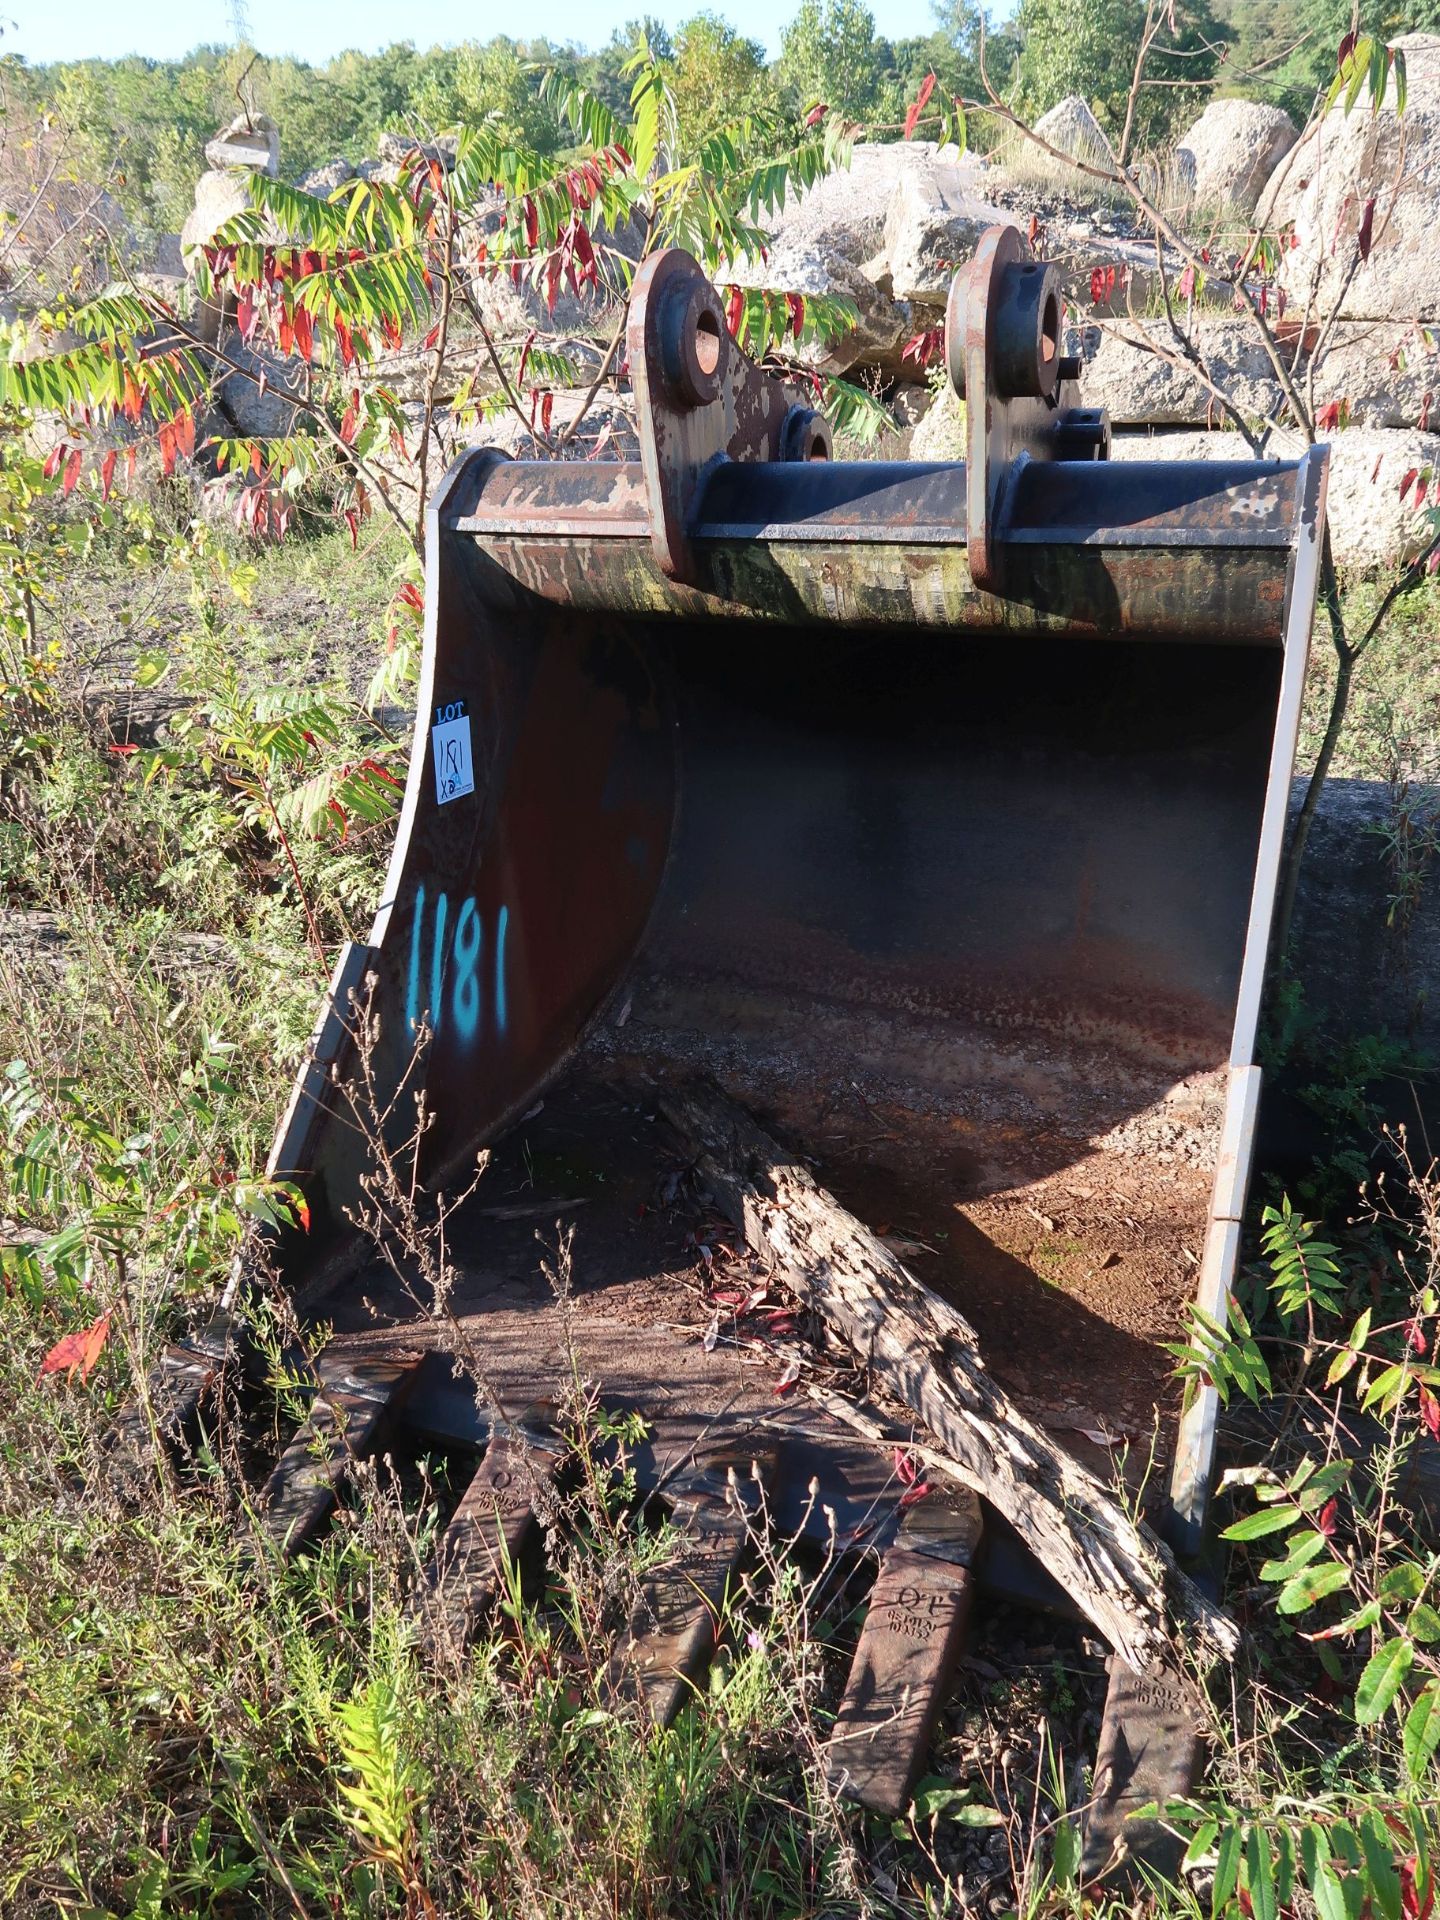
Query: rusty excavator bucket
pixel 934 810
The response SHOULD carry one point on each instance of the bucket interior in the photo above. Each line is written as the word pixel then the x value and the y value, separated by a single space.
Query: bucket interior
pixel 960 917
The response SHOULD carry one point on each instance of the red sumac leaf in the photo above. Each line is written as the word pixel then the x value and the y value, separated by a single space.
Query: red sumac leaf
pixel 107 474
pixel 795 308
pixel 1430 1412
pixel 72 471
pixel 1325 1519
pixel 547 407
pixel 1365 238
pixel 78 1351
pixel 918 104
pixel 735 311
pixel 53 459
pixel 1344 51
pixel 816 114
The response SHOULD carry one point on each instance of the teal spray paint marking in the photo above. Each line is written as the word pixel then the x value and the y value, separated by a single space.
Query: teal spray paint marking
pixel 502 928
pixel 465 987
pixel 412 988
pixel 437 961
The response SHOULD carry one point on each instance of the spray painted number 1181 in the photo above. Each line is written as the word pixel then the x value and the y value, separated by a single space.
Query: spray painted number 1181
pixel 458 972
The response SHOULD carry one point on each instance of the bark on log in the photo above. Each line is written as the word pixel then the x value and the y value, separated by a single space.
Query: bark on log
pixel 926 1354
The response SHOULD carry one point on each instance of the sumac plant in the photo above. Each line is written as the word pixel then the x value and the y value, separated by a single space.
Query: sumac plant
pixel 315 299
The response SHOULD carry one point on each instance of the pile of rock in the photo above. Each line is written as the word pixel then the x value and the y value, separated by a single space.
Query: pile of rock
pixel 888 235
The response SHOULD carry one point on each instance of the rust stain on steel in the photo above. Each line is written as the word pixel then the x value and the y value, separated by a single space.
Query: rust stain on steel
pixel 698 398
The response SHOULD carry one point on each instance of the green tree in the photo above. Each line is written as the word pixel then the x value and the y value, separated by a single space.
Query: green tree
pixel 716 76
pixel 829 53
pixel 1092 50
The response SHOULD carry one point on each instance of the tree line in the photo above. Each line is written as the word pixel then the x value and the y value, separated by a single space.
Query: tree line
pixel 142 124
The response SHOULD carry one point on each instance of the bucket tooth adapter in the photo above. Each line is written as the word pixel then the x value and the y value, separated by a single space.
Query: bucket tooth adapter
pixel 947 798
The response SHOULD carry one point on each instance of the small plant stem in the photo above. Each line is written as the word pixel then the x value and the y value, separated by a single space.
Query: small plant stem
pixel 316 939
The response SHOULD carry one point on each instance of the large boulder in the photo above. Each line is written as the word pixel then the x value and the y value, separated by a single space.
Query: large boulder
pixel 255 398
pixel 1382 372
pixel 810 268
pixel 1324 185
pixel 219 196
pixel 323 181
pixel 251 142
pixel 394 147
pixel 933 225
pixel 1140 388
pixel 1232 150
pixel 1072 128
pixel 1370 526
pixel 845 213
pixel 940 434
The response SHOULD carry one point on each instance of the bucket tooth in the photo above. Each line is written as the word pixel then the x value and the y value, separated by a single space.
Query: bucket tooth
pixel 178 1388
pixel 494 1524
pixel 673 1629
pixel 1150 1751
pixel 904 1663
pixel 354 1402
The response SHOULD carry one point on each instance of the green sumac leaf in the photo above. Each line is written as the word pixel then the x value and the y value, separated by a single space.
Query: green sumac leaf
pixel 1341 1365
pixel 1366 1616
pixel 1227 1870
pixel 1311 1586
pixel 1382 1679
pixel 1386 1387
pixel 1325 1886
pixel 1260 1875
pixel 1422 1732
pixel 1397 55
pixel 151 667
pixel 1299 1557
pixel 1379 1848
pixel 1423 1624
pixel 1256 1525
pixel 1201 1841
pixel 1405 1582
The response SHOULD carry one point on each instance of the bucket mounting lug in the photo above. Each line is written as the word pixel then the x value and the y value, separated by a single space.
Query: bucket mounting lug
pixel 701 399
pixel 1002 352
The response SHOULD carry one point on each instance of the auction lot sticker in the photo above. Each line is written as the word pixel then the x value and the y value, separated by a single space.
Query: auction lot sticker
pixel 454 764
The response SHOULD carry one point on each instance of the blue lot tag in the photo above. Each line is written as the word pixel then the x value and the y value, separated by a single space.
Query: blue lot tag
pixel 454 766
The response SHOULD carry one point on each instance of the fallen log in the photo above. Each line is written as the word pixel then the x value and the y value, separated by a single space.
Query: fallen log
pixel 925 1354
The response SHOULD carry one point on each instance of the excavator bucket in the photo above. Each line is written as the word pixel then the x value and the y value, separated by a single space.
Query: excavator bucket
pixel 936 813
pixel 936 810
